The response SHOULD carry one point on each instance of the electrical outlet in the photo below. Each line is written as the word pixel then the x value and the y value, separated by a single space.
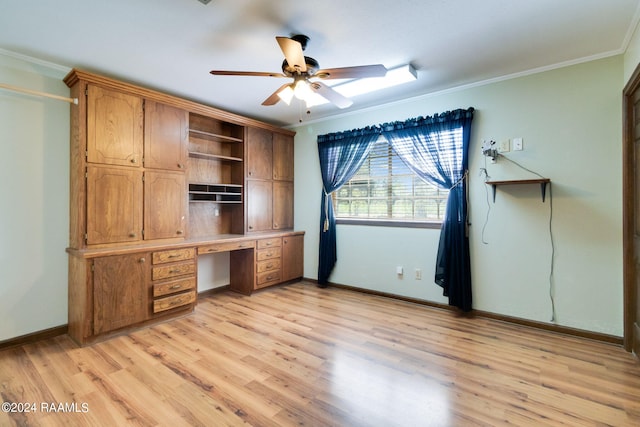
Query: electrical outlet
pixel 505 146
pixel 418 274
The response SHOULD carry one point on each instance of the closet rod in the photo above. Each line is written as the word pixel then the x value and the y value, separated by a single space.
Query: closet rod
pixel 37 93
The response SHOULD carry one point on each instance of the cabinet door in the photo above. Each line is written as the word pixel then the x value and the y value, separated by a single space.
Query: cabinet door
pixel 292 257
pixel 120 293
pixel 114 205
pixel 259 210
pixel 165 205
pixel 282 157
pixel 114 127
pixel 165 136
pixel 282 205
pixel 259 154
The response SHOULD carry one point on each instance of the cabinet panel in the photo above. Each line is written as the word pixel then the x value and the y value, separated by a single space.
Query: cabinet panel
pixel 114 205
pixel 165 136
pixel 259 209
pixel 268 278
pixel 114 127
pixel 282 205
pixel 259 154
pixel 173 270
pixel 292 257
pixel 120 291
pixel 173 255
pixel 173 287
pixel 282 157
pixel 165 201
pixel 174 301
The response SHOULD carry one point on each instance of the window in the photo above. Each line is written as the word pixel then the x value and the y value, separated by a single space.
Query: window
pixel 385 190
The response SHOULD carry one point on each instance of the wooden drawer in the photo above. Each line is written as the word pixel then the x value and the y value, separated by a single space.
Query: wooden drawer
pixel 269 254
pixel 226 247
pixel 267 278
pixel 173 270
pixel 173 287
pixel 269 243
pixel 167 303
pixel 173 255
pixel 268 265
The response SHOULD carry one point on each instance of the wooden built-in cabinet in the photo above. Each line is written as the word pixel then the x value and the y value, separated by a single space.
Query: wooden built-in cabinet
pixel 120 296
pixel 292 257
pixel 165 209
pixel 166 131
pixel 173 278
pixel 115 123
pixel 269 174
pixel 114 204
pixel 157 180
pixel 215 175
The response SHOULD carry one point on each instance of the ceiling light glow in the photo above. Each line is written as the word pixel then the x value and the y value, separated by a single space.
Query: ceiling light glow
pixel 394 77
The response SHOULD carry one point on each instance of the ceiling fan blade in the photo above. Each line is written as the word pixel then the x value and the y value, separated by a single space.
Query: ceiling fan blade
pixel 363 71
pixel 245 73
pixel 292 50
pixel 330 94
pixel 274 98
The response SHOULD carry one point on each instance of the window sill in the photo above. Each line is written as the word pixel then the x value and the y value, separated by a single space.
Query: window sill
pixel 389 223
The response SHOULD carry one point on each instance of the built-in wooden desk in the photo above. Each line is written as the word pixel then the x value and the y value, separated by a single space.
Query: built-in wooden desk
pixel 114 289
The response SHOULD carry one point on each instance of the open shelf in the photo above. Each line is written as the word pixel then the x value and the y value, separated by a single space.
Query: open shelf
pixel 542 181
pixel 199 155
pixel 214 136
pixel 218 193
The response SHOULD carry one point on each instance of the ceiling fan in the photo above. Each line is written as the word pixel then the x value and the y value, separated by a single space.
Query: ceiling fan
pixel 307 75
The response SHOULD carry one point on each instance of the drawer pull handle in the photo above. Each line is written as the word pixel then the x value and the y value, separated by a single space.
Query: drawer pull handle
pixel 179 232
pixel 269 265
pixel 141 260
pixel 176 302
pixel 269 278
pixel 269 243
pixel 173 256
pixel 176 287
pixel 175 271
pixel 134 161
pixel 132 235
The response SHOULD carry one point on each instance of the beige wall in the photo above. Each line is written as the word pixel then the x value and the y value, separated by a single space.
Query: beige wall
pixel 570 120
pixel 34 198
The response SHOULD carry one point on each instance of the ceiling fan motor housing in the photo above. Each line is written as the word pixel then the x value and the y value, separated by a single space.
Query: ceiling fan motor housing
pixel 312 67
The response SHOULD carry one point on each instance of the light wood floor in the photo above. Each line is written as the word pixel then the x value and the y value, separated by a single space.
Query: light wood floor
pixel 300 355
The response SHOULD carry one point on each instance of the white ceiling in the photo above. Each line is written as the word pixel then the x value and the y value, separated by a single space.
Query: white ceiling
pixel 171 45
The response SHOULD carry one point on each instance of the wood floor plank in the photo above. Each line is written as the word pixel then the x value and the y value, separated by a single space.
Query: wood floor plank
pixel 299 355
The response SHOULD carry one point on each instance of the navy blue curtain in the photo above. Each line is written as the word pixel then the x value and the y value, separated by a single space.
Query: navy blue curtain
pixel 436 149
pixel 341 155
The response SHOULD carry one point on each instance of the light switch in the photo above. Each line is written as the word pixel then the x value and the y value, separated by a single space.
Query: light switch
pixel 517 144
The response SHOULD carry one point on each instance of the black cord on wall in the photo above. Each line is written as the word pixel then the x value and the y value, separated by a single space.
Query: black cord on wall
pixel 551 239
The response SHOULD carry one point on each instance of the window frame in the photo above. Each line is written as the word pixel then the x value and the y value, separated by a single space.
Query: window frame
pixel 387 222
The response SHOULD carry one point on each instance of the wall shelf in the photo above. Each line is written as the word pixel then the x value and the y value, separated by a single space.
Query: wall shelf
pixel 541 181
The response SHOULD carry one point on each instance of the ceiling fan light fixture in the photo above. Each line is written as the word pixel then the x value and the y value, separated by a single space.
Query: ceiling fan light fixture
pixel 302 91
pixel 286 95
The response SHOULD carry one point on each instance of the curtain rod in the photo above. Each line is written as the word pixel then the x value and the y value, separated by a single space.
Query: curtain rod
pixel 38 93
